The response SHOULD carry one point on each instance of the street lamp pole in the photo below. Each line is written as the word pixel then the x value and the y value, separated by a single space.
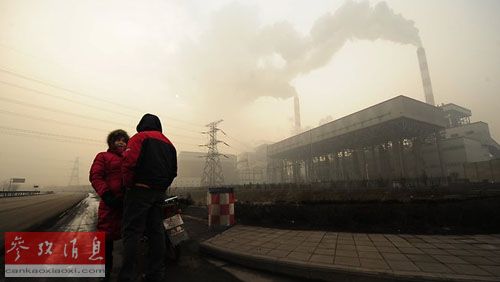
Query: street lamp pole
pixel 10 183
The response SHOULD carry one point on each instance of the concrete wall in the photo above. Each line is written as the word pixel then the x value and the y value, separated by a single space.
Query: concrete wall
pixel 475 151
pixel 455 152
pixel 478 131
pixel 431 160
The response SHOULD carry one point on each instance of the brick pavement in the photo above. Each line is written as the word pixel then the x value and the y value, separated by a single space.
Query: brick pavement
pixel 330 255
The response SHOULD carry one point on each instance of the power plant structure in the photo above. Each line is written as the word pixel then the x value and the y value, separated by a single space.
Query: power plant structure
pixel 426 77
pixel 401 138
pixel 377 142
pixel 296 111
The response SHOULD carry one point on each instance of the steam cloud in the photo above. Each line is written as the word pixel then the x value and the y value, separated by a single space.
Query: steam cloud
pixel 237 60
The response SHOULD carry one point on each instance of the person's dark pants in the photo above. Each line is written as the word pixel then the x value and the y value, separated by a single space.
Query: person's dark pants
pixel 108 252
pixel 143 214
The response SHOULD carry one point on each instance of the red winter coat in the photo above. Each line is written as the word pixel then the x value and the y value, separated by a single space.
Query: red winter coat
pixel 106 175
pixel 150 159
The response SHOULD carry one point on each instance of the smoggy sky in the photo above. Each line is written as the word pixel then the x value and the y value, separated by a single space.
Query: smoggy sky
pixel 71 71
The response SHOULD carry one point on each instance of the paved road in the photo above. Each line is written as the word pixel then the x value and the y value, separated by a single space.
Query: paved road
pixel 24 213
pixel 192 266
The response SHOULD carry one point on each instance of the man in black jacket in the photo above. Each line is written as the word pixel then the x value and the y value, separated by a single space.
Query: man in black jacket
pixel 149 167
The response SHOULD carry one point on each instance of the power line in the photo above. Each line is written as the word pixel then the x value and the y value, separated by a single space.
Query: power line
pixel 58 137
pixel 75 125
pixel 73 101
pixel 63 88
pixel 240 148
pixel 51 120
pixel 10 48
pixel 222 131
pixel 242 143
pixel 64 98
pixel 190 144
pixel 232 150
pixel 81 116
pixel 50 84
pixel 85 95
pixel 35 158
pixel 80 103
pixel 59 111
pixel 46 135
pixel 43 165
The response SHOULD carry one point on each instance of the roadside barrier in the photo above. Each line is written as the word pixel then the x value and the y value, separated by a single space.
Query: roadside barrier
pixel 18 193
pixel 220 202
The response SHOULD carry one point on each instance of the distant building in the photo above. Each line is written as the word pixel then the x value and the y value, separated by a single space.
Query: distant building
pixel 463 142
pixel 252 166
pixel 191 165
pixel 461 126
pixel 395 139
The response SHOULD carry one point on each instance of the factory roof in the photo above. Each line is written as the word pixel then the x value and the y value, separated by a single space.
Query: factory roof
pixel 398 117
pixel 456 109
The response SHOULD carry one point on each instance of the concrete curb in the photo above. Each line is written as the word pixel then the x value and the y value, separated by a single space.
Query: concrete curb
pixel 316 271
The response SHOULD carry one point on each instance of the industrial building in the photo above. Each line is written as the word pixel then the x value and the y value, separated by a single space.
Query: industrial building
pixel 400 138
pixel 463 142
pixel 379 142
pixel 252 166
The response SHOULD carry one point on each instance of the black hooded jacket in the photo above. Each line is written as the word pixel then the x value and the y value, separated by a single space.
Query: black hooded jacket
pixel 149 122
pixel 150 158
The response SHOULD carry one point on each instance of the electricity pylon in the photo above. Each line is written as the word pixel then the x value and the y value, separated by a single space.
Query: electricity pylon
pixel 74 179
pixel 212 173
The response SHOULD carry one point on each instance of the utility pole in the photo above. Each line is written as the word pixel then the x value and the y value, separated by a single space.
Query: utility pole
pixel 4 184
pixel 212 173
pixel 74 179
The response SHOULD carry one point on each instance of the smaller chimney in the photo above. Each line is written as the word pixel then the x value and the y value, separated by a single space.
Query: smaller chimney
pixel 426 79
pixel 297 114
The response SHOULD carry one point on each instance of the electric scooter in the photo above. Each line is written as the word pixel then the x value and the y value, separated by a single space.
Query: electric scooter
pixel 174 228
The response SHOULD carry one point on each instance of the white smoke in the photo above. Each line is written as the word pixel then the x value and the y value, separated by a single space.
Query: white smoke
pixel 353 20
pixel 325 120
pixel 237 60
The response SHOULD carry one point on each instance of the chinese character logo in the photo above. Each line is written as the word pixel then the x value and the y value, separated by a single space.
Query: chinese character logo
pixel 17 245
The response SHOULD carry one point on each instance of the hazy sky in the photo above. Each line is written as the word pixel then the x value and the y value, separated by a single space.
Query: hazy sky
pixel 71 71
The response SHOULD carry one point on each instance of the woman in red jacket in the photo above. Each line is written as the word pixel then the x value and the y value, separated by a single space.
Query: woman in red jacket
pixel 106 178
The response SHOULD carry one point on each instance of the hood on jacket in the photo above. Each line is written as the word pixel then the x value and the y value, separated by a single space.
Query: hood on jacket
pixel 149 122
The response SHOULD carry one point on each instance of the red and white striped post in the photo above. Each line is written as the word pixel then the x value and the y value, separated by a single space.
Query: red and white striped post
pixel 220 202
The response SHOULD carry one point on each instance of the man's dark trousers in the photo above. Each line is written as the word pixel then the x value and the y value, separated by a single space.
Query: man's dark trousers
pixel 143 214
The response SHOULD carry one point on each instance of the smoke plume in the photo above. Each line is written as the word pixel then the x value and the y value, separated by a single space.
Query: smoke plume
pixel 238 60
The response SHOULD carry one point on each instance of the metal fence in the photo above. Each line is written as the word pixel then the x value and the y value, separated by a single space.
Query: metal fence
pixel 4 194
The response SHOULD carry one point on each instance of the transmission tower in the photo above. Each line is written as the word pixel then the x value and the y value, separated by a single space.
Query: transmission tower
pixel 74 179
pixel 212 173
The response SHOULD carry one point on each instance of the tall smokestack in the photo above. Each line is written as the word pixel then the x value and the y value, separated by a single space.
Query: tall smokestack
pixel 297 113
pixel 426 79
